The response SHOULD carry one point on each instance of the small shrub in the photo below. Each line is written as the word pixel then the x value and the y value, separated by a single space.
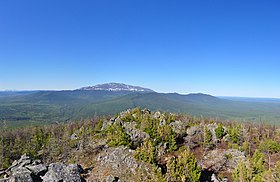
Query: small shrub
pixel 207 137
pixel 117 136
pixel 184 167
pixel 98 126
pixel 146 152
pixel 253 172
pixel 220 131
pixel 167 135
pixel 234 134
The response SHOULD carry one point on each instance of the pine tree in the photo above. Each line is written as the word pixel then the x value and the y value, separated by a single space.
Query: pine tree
pixel 220 131
pixel 253 171
pixel 184 167
pixel 207 138
pixel 146 152
pixel 242 173
pixel 234 134
pixel 166 134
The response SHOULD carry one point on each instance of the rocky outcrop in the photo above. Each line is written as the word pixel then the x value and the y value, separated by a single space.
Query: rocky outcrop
pixel 179 128
pixel 222 160
pixel 29 170
pixel 211 128
pixel 194 130
pixel 116 165
pixel 136 135
pixel 118 157
pixel 194 136
pixel 60 172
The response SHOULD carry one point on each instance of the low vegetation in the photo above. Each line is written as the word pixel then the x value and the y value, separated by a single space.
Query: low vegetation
pixel 173 147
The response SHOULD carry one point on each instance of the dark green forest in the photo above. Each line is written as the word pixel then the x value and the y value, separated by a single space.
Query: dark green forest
pixel 47 107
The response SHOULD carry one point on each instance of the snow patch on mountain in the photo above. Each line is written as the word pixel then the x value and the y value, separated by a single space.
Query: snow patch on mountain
pixel 117 87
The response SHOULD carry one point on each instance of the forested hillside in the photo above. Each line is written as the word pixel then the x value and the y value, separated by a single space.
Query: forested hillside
pixel 47 107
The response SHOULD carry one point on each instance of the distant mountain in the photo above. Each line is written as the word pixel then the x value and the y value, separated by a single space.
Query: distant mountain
pixel 41 107
pixel 117 87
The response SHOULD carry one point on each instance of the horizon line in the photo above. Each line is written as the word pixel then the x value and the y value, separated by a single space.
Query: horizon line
pixel 220 96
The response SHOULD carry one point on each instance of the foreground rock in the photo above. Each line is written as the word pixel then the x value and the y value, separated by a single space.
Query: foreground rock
pixel 27 170
pixel 118 164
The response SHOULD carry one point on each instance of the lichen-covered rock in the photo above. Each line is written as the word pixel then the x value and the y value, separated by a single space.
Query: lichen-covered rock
pixel 194 137
pixel 117 157
pixel 137 136
pixel 58 172
pixel 179 127
pixel 28 170
pixel 119 162
pixel 222 160
pixel 193 130
pixel 23 161
pixel 211 128
pixel 21 174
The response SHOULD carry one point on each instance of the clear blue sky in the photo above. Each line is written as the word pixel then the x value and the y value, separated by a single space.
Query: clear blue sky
pixel 219 47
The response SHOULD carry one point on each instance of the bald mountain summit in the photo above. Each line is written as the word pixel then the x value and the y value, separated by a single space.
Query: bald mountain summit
pixel 44 107
pixel 116 87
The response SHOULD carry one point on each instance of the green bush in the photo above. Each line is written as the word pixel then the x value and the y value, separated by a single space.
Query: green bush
pixel 253 171
pixel 269 146
pixel 117 136
pixel 167 135
pixel 234 134
pixel 242 173
pixel 220 131
pixel 98 126
pixel 146 152
pixel 207 137
pixel 184 167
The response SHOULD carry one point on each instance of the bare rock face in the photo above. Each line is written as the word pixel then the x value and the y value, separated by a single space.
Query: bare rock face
pixel 28 170
pixel 211 128
pixel 194 136
pixel 21 174
pixel 116 165
pixel 118 157
pixel 222 160
pixel 60 172
pixel 194 130
pixel 179 127
pixel 25 169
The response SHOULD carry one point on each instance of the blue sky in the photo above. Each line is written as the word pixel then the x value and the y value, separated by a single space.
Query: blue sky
pixel 229 48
